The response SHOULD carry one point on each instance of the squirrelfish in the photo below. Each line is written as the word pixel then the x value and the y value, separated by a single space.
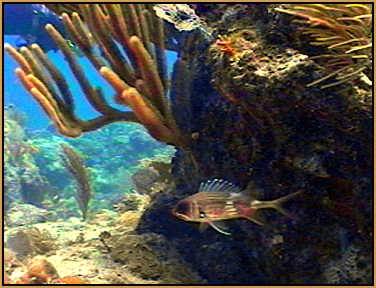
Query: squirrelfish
pixel 219 200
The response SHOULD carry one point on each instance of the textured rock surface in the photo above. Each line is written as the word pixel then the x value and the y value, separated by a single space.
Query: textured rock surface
pixel 11 261
pixel 23 214
pixel 27 242
pixel 144 179
pixel 350 268
pixel 259 122
pixel 151 257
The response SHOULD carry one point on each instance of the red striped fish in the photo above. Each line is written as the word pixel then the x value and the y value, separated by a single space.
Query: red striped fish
pixel 219 200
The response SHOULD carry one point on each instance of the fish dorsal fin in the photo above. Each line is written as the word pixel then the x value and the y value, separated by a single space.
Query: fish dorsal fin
pixel 218 185
pixel 220 227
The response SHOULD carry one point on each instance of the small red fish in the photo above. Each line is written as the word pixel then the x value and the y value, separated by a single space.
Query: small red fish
pixel 219 200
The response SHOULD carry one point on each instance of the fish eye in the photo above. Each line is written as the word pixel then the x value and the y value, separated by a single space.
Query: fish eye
pixel 182 208
pixel 202 214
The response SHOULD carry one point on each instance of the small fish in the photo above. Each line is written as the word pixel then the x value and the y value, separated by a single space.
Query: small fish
pixel 219 200
pixel 74 48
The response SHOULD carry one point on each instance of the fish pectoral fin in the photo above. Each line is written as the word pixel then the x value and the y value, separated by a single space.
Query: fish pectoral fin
pixel 220 227
pixel 216 226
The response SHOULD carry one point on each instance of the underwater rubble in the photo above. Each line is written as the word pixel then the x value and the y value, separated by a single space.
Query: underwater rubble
pixel 259 121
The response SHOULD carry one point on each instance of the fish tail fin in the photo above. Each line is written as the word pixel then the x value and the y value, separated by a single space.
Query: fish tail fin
pixel 277 204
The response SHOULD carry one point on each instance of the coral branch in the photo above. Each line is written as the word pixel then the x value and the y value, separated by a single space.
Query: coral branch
pixel 58 119
pixel 136 69
pixel 148 117
pixel 149 74
pixel 18 58
pixel 22 76
pixel 116 82
pixel 345 30
pixel 56 75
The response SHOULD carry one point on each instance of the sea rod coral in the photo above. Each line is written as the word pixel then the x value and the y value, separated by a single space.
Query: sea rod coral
pixel 136 69
pixel 345 30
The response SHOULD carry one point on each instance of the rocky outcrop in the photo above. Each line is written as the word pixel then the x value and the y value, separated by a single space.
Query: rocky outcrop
pixel 260 122
pixel 151 257
pixel 30 242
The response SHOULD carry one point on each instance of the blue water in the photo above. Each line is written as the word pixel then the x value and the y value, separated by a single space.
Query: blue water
pixel 14 92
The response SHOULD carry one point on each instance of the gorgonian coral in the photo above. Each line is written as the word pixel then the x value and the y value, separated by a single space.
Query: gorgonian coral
pixel 131 39
pixel 345 30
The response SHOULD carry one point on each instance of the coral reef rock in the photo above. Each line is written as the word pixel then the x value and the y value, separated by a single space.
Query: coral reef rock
pixel 151 257
pixel 352 268
pixel 144 179
pixel 11 262
pixel 30 242
pixel 23 214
